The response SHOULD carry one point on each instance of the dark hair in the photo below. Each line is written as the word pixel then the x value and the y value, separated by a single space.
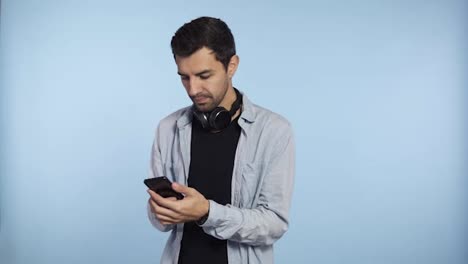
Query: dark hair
pixel 208 32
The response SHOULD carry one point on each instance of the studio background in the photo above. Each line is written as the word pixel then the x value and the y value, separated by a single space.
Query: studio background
pixel 375 91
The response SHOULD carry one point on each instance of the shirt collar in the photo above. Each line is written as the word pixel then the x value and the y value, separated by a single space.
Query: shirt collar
pixel 248 113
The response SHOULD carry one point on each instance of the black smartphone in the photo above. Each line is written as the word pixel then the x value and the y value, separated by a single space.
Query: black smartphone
pixel 162 186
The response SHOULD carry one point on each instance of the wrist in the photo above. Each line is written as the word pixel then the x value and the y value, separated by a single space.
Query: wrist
pixel 204 217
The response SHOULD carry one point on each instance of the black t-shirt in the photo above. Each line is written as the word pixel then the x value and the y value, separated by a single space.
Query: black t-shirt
pixel 212 162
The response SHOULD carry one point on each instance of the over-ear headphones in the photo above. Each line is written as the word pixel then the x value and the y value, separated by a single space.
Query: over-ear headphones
pixel 219 118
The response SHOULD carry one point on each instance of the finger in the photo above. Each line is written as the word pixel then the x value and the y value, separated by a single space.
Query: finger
pixel 159 210
pixel 161 201
pixel 166 220
pixel 181 188
pixel 152 205
pixel 162 214
pixel 154 195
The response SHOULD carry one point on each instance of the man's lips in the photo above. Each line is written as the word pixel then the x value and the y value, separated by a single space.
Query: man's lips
pixel 200 99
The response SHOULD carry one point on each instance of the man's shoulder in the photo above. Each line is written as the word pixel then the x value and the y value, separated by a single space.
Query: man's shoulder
pixel 269 118
pixel 169 122
pixel 273 130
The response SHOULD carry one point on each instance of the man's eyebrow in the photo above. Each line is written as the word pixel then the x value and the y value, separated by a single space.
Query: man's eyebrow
pixel 196 74
pixel 203 72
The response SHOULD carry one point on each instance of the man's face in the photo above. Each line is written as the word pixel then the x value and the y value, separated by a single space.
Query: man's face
pixel 204 78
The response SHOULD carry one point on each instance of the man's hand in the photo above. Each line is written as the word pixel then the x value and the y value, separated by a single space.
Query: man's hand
pixel 172 211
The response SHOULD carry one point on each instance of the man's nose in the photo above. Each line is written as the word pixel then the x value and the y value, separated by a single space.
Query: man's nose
pixel 194 86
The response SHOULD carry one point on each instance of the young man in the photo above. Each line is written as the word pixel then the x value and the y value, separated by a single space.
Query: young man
pixel 232 160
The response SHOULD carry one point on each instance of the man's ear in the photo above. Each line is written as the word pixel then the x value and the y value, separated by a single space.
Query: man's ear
pixel 232 66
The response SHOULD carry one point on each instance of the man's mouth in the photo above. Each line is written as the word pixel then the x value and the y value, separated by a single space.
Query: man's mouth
pixel 200 99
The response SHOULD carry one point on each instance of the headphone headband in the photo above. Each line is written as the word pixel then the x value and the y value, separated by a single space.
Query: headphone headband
pixel 237 103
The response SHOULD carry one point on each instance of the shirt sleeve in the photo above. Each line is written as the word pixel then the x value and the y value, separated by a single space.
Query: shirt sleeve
pixel 268 221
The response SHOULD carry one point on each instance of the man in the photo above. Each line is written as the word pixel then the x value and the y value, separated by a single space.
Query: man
pixel 232 160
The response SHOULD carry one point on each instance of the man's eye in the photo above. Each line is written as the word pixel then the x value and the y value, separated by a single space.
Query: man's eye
pixel 184 78
pixel 204 77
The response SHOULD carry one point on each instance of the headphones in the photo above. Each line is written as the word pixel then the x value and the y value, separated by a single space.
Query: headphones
pixel 218 118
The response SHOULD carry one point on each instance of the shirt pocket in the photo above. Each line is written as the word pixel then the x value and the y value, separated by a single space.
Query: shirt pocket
pixel 250 185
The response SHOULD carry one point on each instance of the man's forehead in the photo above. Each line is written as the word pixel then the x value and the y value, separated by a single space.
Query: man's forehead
pixel 202 53
pixel 202 60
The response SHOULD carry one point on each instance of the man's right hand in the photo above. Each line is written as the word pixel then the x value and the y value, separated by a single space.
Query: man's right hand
pixel 154 205
pixel 172 211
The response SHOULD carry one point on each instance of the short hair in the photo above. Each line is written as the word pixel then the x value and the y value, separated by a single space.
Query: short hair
pixel 209 32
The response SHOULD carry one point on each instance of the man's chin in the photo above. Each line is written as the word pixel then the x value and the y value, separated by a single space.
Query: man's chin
pixel 204 107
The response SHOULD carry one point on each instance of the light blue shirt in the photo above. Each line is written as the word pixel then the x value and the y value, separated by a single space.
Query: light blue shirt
pixel 262 183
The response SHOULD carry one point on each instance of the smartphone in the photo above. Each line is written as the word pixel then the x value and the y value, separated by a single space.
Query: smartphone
pixel 162 186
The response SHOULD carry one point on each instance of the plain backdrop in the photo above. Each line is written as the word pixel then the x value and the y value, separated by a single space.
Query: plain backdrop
pixel 375 91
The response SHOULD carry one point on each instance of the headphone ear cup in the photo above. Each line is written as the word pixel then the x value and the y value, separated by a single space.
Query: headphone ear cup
pixel 219 119
pixel 202 118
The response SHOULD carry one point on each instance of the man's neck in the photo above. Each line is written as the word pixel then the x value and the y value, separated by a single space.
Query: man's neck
pixel 230 98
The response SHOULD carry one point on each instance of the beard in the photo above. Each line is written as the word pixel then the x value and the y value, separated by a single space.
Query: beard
pixel 206 102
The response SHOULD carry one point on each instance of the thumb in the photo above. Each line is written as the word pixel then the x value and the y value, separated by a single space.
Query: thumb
pixel 180 188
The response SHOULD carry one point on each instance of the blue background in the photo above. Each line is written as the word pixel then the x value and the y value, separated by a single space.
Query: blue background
pixel 375 90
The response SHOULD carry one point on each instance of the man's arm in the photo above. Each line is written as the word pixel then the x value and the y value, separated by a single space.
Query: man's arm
pixel 267 222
